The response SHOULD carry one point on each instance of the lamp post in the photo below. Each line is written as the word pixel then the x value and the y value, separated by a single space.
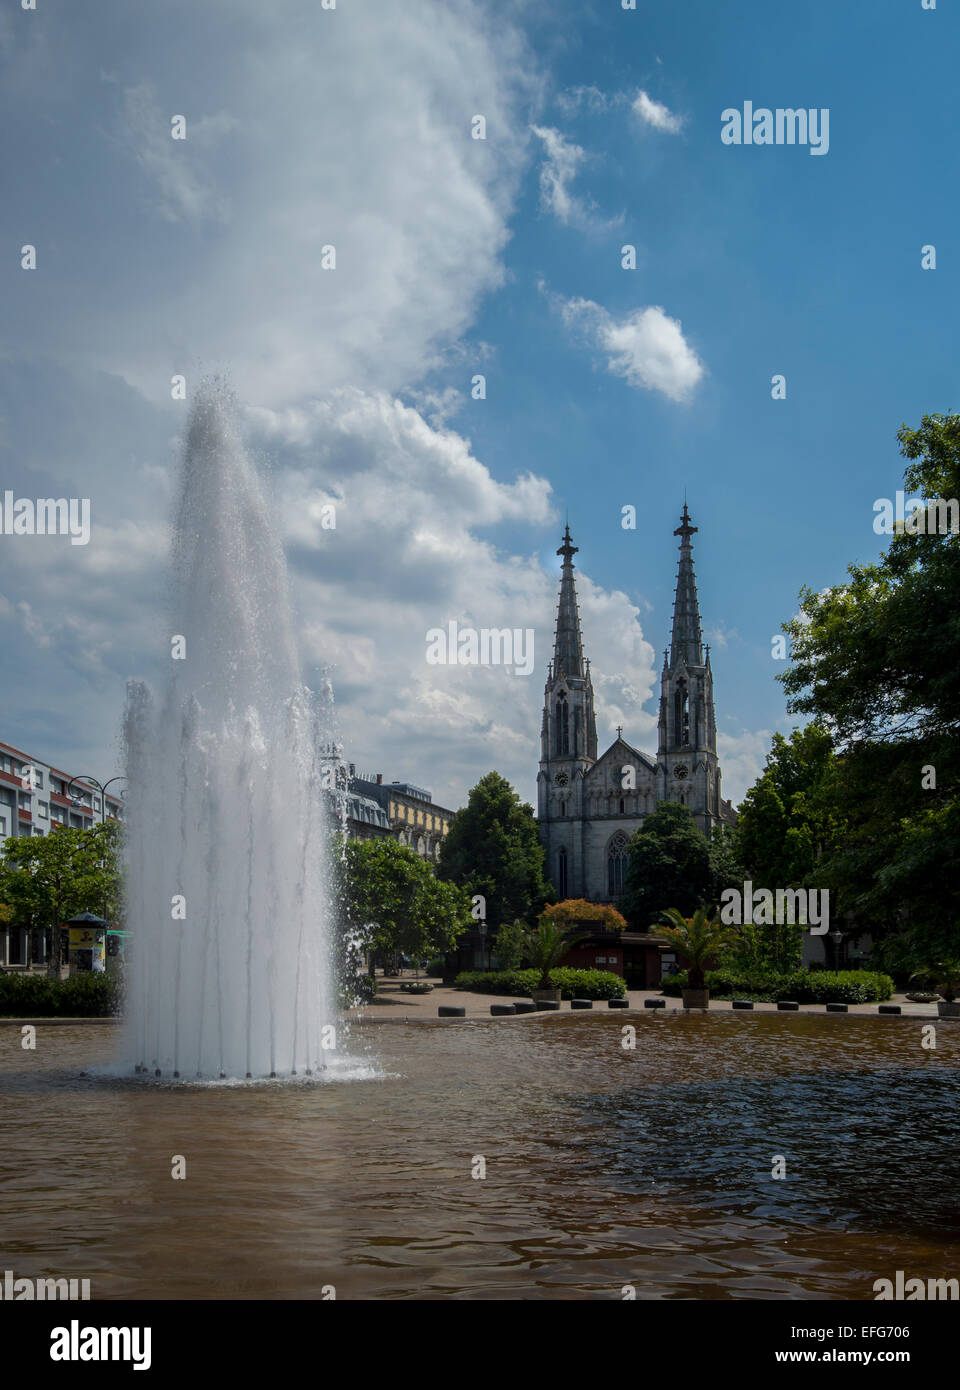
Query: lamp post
pixel 90 783
pixel 837 938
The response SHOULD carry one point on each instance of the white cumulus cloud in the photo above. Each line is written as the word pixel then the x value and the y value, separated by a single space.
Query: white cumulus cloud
pixel 646 347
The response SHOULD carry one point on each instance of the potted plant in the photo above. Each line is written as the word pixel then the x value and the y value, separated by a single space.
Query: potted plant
pixel 697 938
pixel 944 975
pixel 544 949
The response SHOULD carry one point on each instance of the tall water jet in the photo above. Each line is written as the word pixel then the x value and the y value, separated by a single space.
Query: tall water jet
pixel 227 816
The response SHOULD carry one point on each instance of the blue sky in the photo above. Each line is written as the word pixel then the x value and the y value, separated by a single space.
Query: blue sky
pixel 458 256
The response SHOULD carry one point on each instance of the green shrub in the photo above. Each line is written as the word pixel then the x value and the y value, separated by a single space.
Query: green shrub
pixel 80 996
pixel 806 987
pixel 519 982
pixel 588 984
pixel 843 987
pixel 573 984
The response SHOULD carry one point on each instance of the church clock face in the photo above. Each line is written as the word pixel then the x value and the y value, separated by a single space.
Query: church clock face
pixel 561 779
pixel 680 771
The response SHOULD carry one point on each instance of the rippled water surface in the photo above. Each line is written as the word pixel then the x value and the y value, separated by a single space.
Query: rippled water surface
pixel 604 1167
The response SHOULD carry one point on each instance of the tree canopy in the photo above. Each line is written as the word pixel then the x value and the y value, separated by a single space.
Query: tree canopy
pixel 46 879
pixel 395 902
pixel 670 865
pixel 873 661
pixel 493 849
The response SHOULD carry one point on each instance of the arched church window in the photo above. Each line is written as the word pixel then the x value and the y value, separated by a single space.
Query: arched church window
pixel 563 724
pixel 563 808
pixel 616 864
pixel 577 732
pixel 562 871
pixel 681 712
pixel 621 806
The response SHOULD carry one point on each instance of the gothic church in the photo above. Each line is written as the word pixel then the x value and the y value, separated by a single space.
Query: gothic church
pixel 588 807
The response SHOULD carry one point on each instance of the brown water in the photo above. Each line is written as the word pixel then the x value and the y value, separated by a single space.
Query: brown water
pixel 603 1167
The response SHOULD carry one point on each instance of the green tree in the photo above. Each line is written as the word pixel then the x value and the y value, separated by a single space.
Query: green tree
pixel 508 946
pixel 874 659
pixel 46 879
pixel 791 817
pixel 393 901
pixel 669 865
pixel 493 849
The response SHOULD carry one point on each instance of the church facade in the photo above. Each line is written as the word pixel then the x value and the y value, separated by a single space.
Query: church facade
pixel 589 805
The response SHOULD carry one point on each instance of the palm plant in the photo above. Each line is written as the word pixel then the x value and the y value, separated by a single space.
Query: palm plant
pixel 546 948
pixel 943 974
pixel 697 938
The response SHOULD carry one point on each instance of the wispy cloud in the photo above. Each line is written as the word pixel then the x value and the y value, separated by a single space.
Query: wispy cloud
pixel 655 114
pixel 559 169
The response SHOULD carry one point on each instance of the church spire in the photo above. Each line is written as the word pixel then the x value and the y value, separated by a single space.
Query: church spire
pixel 568 647
pixel 686 643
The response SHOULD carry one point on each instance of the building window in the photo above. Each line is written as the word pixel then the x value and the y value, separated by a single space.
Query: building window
pixel 616 864
pixel 621 806
pixel 562 872
pixel 681 713
pixel 3 825
pixel 563 724
pixel 563 808
pixel 42 810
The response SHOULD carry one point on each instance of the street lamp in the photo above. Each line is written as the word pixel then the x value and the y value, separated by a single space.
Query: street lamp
pixel 89 783
pixel 837 938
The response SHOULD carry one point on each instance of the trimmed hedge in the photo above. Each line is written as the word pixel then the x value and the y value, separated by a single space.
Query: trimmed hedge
pixel 81 996
pixel 573 984
pixel 805 986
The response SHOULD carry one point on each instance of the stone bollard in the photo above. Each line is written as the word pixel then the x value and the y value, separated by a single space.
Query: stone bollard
pixel 451 1011
pixel 547 1005
pixel 654 1003
pixel 787 1006
pixel 497 1009
pixel 525 1006
pixel 836 1008
pixel 618 1003
pixel 743 1003
pixel 581 1003
pixel 889 1009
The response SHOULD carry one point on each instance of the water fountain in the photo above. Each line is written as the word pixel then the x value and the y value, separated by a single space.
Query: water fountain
pixel 227 815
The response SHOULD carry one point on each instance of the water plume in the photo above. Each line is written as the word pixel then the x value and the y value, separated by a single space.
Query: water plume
pixel 227 815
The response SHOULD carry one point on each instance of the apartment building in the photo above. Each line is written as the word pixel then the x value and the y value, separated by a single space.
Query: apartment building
pixel 36 798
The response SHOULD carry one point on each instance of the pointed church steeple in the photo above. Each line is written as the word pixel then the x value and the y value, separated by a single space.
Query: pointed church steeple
pixel 686 642
pixel 568 646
